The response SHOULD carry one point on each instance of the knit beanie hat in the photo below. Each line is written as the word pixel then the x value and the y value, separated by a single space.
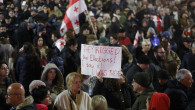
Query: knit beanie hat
pixel 35 84
pixel 143 59
pixel 159 101
pixel 142 78
pixel 163 74
pixel 103 40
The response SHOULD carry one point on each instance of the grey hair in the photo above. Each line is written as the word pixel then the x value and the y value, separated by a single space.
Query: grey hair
pixel 193 45
pixel 181 73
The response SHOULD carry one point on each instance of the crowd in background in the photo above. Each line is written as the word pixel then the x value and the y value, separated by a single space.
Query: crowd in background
pixel 157 38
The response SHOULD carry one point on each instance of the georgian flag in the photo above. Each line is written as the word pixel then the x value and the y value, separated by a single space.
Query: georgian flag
pixel 157 22
pixel 71 18
pixel 137 36
pixel 1 1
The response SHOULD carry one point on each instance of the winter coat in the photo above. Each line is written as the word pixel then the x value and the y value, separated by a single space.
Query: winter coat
pixel 65 102
pixel 177 94
pixel 131 72
pixel 140 102
pixel 185 61
pixel 81 39
pixel 71 60
pixel 27 104
pixel 172 56
pixel 59 86
pixel 118 99
pixel 28 68
pixel 3 105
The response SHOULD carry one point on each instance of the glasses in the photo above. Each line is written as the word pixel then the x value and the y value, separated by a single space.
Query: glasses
pixel 161 52
pixel 8 95
pixel 4 68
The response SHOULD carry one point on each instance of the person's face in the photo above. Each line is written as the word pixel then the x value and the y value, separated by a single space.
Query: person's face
pixel 161 12
pixel 76 85
pixel 86 32
pixel 136 86
pixel 187 80
pixel 144 67
pixel 40 42
pixel 144 24
pixel 113 41
pixel 146 47
pixel 47 101
pixel 14 98
pixel 74 47
pixel 121 80
pixel 3 29
pixel 7 21
pixel 1 16
pixel 161 53
pixel 118 12
pixel 4 71
pixel 11 14
pixel 187 44
pixel 169 47
pixel 51 74
pixel 162 81
pixel 114 19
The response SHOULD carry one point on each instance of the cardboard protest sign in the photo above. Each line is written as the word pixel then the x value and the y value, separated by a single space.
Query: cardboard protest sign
pixel 104 59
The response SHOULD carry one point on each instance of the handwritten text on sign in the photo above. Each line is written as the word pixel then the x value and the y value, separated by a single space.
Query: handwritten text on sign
pixel 105 59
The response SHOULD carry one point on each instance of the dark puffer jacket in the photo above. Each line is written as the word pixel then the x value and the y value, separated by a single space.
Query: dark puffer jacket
pixel 177 94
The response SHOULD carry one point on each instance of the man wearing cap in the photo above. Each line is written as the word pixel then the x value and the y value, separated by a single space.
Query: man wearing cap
pixel 141 85
pixel 103 41
pixel 124 40
pixel 184 47
pixel 142 65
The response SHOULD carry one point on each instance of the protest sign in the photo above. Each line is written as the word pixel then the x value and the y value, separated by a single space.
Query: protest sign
pixel 104 59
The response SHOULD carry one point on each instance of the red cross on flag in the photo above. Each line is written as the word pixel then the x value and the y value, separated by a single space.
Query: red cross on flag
pixel 71 18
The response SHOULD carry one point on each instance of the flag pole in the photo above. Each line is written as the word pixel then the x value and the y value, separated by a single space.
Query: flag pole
pixel 90 22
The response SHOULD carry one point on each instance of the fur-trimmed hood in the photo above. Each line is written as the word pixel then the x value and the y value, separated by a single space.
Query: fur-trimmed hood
pixel 27 101
pixel 60 81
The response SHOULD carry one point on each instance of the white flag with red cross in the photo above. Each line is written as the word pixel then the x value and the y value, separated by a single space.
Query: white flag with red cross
pixel 71 18
pixel 1 1
pixel 158 23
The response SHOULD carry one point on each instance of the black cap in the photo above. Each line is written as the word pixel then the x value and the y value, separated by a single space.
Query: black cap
pixel 143 59
pixel 187 39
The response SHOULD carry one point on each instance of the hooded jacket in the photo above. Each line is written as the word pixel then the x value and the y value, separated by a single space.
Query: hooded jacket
pixel 59 86
pixel 159 101
pixel 177 94
pixel 28 104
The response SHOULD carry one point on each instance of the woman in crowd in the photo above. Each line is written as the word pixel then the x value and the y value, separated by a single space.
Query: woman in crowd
pixel 40 94
pixel 144 49
pixel 28 66
pixel 41 50
pixel 53 79
pixel 158 101
pixel 5 81
pixel 73 98
pixel 99 102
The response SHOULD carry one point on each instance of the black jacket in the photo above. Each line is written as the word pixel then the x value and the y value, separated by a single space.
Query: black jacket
pixel 118 99
pixel 177 94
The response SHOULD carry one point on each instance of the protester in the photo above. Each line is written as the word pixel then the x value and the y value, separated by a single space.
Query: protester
pixel 73 98
pixel 177 89
pixel 16 98
pixel 99 102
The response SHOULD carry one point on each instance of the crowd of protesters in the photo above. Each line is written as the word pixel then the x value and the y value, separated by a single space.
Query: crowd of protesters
pixel 40 69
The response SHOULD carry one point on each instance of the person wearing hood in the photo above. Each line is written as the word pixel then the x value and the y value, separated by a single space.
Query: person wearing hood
pixel 53 79
pixel 177 89
pixel 158 101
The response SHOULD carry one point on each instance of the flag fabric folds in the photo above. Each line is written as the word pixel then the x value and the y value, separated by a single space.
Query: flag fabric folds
pixel 71 18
